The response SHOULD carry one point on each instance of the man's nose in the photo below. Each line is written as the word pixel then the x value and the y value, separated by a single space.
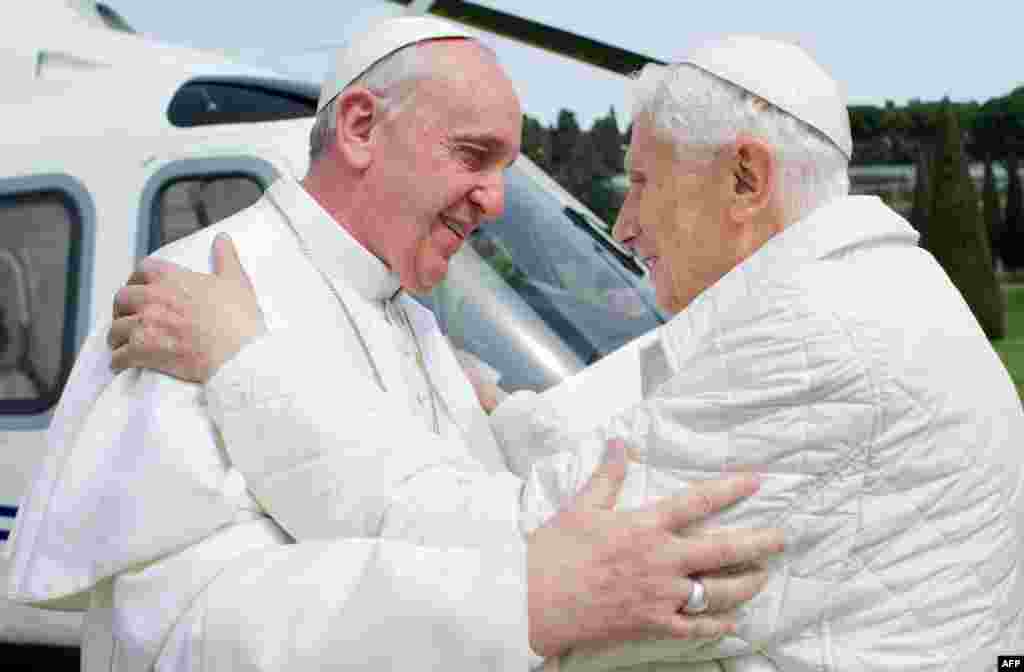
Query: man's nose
pixel 624 229
pixel 489 196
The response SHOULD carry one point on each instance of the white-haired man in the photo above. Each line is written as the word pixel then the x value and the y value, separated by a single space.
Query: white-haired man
pixel 796 350
pixel 812 342
pixel 180 547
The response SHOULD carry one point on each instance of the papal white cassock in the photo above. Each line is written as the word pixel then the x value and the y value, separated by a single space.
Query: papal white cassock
pixel 181 547
pixel 839 362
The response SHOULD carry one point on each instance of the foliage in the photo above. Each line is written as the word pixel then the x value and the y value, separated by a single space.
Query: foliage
pixel 1011 348
pixel 608 142
pixel 955 234
pixel 922 193
pixel 1011 244
pixel 991 212
pixel 581 161
pixel 893 134
pixel 536 142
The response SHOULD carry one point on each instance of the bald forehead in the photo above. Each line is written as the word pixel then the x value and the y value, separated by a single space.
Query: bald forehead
pixel 449 57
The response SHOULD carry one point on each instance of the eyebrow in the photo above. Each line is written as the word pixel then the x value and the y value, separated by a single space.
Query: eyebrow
pixel 490 142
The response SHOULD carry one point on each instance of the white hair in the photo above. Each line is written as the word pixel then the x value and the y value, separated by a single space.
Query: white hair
pixel 392 79
pixel 700 113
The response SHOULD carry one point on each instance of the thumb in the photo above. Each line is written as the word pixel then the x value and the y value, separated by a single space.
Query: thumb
pixel 602 490
pixel 226 262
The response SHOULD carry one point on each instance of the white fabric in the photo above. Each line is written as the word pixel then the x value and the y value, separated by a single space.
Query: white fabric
pixel 841 363
pixel 380 41
pixel 140 508
pixel 785 76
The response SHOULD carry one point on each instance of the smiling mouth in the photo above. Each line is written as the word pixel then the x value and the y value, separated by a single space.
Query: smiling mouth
pixel 455 227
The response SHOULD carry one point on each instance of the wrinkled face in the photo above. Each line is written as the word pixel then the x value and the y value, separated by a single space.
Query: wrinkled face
pixel 675 218
pixel 438 172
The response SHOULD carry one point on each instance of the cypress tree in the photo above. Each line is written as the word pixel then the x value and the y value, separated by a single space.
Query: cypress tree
pixel 990 208
pixel 1011 245
pixel 955 229
pixel 922 194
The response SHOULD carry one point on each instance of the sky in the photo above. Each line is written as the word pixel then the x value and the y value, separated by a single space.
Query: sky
pixel 878 49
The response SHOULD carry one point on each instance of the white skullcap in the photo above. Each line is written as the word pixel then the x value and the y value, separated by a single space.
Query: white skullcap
pixel 785 76
pixel 380 41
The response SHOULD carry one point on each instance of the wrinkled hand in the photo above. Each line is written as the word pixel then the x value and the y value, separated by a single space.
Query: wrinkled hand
pixel 599 575
pixel 183 323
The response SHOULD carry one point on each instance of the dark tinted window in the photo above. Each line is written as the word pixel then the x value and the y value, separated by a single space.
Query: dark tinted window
pixel 40 235
pixel 204 103
pixel 188 204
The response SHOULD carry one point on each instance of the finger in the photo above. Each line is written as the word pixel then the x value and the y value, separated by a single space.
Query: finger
pixel 226 261
pixel 131 299
pixel 150 271
pixel 709 553
pixel 702 499
pixel 121 330
pixel 703 626
pixel 136 299
pixel 146 349
pixel 602 490
pixel 726 591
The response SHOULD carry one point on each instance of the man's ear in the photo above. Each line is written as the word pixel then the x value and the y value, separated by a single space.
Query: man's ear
pixel 753 167
pixel 358 112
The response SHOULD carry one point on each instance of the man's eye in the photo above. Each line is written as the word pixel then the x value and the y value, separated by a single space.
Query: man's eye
pixel 472 156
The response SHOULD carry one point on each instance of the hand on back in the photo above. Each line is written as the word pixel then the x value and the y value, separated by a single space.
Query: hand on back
pixel 183 323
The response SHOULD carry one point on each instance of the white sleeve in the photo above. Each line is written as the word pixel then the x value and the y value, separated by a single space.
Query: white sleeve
pixel 329 467
pixel 345 463
pixel 358 604
pixel 527 428
pixel 531 426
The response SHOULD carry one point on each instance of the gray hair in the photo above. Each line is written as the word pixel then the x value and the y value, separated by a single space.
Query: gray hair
pixel 700 113
pixel 392 79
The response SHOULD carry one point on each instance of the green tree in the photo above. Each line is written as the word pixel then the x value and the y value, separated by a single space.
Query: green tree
pixel 564 137
pixel 955 230
pixel 990 209
pixel 582 168
pixel 896 120
pixel 1011 245
pixel 536 142
pixel 921 209
pixel 608 141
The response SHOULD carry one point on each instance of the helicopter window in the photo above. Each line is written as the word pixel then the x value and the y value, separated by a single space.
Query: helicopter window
pixel 39 243
pixel 192 203
pixel 202 103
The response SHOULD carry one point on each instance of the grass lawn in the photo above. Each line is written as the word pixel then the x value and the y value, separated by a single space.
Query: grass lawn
pixel 1011 348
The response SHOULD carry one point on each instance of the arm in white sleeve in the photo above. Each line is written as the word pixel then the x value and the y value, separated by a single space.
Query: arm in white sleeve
pixel 347 459
pixel 531 426
pixel 357 604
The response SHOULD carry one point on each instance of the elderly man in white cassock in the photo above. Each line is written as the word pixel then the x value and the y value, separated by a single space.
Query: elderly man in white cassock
pixel 325 549
pixel 887 436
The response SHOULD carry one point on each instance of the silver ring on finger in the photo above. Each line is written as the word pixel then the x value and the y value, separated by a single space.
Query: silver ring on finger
pixel 697 602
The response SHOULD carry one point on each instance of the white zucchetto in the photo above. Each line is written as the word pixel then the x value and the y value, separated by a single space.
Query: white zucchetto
pixel 783 75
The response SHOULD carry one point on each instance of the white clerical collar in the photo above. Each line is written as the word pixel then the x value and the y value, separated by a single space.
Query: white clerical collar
pixel 330 247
